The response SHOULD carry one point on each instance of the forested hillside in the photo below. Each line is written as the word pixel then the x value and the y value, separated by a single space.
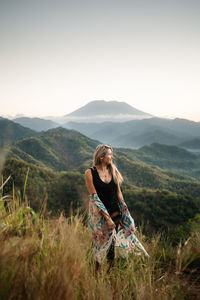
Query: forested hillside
pixel 10 132
pixel 65 191
pixel 59 149
pixel 156 166
pixel 61 190
pixel 167 157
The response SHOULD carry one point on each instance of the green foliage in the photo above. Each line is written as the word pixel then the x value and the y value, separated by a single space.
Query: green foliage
pixel 167 157
pixel 183 232
pixel 141 174
pixel 63 191
pixel 161 210
pixel 67 193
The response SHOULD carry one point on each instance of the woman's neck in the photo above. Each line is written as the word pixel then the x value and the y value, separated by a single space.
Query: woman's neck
pixel 102 167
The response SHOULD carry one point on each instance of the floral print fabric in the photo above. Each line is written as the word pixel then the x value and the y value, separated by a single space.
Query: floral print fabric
pixel 102 236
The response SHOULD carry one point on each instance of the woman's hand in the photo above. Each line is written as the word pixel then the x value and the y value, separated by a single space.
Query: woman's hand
pixel 110 223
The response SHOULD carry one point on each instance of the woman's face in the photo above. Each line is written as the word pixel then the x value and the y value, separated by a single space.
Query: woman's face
pixel 108 157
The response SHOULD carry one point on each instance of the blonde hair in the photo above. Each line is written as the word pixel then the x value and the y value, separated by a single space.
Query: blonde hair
pixel 99 153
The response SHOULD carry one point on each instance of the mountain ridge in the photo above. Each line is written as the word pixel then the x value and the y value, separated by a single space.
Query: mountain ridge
pixel 37 124
pixel 136 133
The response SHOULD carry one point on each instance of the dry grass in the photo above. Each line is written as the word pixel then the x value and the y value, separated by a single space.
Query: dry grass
pixel 44 258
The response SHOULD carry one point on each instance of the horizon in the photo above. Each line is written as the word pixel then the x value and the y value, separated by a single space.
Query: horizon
pixel 60 116
pixel 57 56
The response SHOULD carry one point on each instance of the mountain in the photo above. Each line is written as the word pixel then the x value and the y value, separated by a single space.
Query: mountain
pixel 137 133
pixel 101 111
pixel 10 131
pixel 36 124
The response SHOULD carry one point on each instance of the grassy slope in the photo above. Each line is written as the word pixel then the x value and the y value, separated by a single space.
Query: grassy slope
pixel 44 258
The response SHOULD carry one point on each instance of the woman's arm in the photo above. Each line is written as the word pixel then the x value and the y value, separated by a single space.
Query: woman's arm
pixel 89 182
pixel 119 194
pixel 91 189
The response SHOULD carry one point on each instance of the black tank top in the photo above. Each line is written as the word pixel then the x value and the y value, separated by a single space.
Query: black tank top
pixel 107 192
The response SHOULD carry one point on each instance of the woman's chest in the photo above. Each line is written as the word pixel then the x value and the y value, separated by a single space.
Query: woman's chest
pixel 106 177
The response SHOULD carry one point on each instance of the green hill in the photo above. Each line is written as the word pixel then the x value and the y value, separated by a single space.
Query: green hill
pixel 11 132
pixel 140 174
pixel 59 149
pixel 170 158
pixel 167 152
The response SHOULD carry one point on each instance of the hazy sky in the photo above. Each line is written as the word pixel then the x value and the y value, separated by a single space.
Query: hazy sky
pixel 56 56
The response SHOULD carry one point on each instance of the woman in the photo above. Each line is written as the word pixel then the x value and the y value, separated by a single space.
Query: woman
pixel 110 221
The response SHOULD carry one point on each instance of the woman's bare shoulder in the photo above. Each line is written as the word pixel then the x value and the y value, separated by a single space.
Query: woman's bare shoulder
pixel 88 171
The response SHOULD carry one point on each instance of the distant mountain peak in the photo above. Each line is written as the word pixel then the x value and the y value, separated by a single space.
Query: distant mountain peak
pixel 101 110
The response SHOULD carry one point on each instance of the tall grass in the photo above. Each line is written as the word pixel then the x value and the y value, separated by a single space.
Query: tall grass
pixel 51 258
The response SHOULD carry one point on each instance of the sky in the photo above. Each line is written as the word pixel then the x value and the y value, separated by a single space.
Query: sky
pixel 56 56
